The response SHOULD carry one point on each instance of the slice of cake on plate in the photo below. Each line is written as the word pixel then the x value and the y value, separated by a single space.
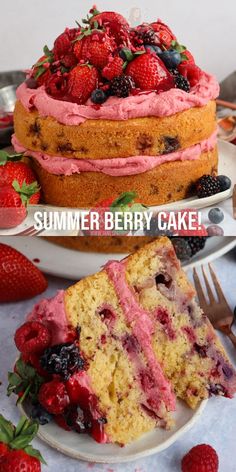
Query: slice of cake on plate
pixel 115 350
pixel 111 108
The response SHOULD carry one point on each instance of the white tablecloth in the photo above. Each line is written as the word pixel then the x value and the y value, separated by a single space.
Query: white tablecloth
pixel 217 426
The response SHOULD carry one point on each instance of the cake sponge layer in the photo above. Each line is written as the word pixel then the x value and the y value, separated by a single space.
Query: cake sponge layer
pixel 171 181
pixel 107 139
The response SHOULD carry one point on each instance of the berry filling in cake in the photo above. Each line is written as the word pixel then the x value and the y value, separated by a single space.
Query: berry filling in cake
pixel 111 354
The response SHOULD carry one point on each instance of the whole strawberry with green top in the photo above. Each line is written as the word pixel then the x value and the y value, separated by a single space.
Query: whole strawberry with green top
pixel 16 452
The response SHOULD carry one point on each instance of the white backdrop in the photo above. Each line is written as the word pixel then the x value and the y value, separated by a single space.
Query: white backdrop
pixel 207 27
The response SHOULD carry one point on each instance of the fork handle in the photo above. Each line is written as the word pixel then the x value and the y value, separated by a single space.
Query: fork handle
pixel 232 336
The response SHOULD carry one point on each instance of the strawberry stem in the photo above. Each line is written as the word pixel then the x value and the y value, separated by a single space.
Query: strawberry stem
pixel 26 190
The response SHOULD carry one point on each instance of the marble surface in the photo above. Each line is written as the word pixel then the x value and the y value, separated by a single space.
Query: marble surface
pixel 217 426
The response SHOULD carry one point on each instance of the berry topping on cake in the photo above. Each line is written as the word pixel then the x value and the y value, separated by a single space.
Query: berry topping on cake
pixel 107 42
pixel 41 415
pixel 53 397
pixel 181 82
pixel 98 96
pixel 150 73
pixel 82 80
pixel 207 186
pixel 63 359
pixel 114 68
pixel 121 86
pixel 32 337
pixel 202 458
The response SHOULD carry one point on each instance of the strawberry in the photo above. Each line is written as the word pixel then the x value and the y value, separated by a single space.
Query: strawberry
pixel 13 168
pixel 12 210
pixel 20 279
pixel 53 397
pixel 149 73
pixel 113 68
pixel 96 48
pixel 41 70
pixel 4 449
pixel 164 33
pixel 115 24
pixel 18 454
pixel 13 201
pixel 82 80
pixel 107 17
pixel 20 461
pixel 32 338
pixel 64 43
pixel 201 458
pixel 191 72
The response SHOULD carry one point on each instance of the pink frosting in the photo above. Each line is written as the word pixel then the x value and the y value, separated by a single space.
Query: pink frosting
pixel 115 167
pixel 142 328
pixel 134 106
pixel 52 312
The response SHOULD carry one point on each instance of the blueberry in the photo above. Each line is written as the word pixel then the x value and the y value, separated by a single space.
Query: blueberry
pixel 170 58
pixel 40 414
pixel 154 49
pixel 225 182
pixel 31 83
pixel 216 215
pixel 215 230
pixel 98 96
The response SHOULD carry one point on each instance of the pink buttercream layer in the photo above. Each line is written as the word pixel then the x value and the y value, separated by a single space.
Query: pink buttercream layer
pixel 115 167
pixel 134 106
pixel 143 329
pixel 52 313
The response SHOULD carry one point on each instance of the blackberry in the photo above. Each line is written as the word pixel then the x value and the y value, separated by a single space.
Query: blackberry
pixel 154 228
pixel 208 186
pixel 182 83
pixel 182 249
pixel 148 36
pixel 63 359
pixel 40 414
pixel 121 86
pixel 196 243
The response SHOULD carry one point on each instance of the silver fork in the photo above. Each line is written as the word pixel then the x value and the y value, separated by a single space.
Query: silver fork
pixel 31 231
pixel 218 311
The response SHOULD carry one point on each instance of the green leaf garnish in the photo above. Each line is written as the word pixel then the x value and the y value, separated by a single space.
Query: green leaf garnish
pixel 20 437
pixel 24 381
pixel 178 47
pixel 5 157
pixel 26 190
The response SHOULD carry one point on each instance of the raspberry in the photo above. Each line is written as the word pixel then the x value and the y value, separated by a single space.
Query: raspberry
pixel 32 337
pixel 191 72
pixel 202 458
pixel 62 45
pixel 56 86
pixel 53 397
pixel 207 186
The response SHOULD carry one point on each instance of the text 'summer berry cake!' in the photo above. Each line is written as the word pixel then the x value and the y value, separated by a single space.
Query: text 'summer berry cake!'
pixel 112 109
pixel 115 351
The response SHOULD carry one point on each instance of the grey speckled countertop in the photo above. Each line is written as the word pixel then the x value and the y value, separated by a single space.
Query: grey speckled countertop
pixel 217 426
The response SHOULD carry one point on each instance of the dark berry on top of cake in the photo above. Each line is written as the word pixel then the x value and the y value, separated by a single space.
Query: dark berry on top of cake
pixel 110 355
pixel 104 56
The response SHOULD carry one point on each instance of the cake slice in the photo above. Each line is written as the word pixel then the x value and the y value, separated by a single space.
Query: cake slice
pixel 143 340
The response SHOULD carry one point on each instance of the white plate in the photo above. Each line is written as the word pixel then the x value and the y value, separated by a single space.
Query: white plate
pixel 71 264
pixel 227 166
pixel 83 447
